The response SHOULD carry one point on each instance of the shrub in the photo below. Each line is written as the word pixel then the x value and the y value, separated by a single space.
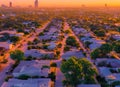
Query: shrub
pixel 52 76
pixel 59 45
pixel 23 77
pixel 71 41
pixel 4 61
pixel 67 48
pixel 53 65
pixel 57 53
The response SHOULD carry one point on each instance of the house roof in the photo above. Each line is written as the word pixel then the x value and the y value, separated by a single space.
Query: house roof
pixel 28 83
pixel 89 85
pixel 69 54
pixel 104 71
pixel 33 68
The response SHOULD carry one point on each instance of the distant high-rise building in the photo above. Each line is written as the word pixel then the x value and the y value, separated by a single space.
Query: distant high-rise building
pixel 10 4
pixel 106 5
pixel 36 3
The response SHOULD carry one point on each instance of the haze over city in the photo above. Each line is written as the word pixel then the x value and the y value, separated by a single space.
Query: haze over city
pixel 59 43
pixel 62 3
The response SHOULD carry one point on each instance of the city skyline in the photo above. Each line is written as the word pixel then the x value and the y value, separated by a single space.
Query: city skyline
pixel 62 3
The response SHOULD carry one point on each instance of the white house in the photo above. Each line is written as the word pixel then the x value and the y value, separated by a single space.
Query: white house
pixel 12 33
pixel 6 45
pixel 28 83
pixel 89 85
pixel 38 53
pixel 108 75
pixel 32 68
pixel 69 54
pixel 116 36
pixel 52 46
pixel 115 63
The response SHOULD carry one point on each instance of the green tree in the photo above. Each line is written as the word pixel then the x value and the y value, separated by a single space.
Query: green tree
pixel 41 34
pixel 53 65
pixel 52 76
pixel 87 43
pixel 57 53
pixel 71 41
pixel 77 71
pixel 59 45
pixel 14 39
pixel 100 33
pixel 23 77
pixel 66 48
pixel 87 68
pixel 106 48
pixel 118 29
pixel 67 31
pixel 95 54
pixel 17 55
pixel 117 48
pixel 72 71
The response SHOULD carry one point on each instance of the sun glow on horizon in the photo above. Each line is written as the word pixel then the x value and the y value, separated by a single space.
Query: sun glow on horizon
pixel 62 3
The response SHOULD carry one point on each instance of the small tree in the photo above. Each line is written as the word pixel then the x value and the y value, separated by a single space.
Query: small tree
pixel 41 34
pixel 14 39
pixel 66 48
pixel 95 54
pixel 53 65
pixel 106 48
pixel 52 76
pixel 17 55
pixel 23 77
pixel 87 43
pixel 71 41
pixel 57 53
pixel 117 48
pixel 100 33
pixel 59 45
pixel 67 31
pixel 118 29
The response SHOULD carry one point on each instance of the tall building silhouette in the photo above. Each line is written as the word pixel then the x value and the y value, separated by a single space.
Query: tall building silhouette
pixel 36 3
pixel 10 4
pixel 106 5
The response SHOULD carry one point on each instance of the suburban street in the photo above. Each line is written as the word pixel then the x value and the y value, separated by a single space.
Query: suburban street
pixel 23 41
pixel 59 74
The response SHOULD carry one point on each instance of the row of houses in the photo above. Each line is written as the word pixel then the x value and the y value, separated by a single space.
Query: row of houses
pixel 7 44
pixel 87 36
pixel 28 83
pixel 11 33
pixel 78 54
pixel 48 41
pixel 34 68
pixel 38 53
pixel 109 69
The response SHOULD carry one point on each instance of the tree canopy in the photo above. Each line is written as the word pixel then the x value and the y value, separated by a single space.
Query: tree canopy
pixel 17 55
pixel 72 41
pixel 101 51
pixel 117 48
pixel 76 70
pixel 106 48
pixel 99 33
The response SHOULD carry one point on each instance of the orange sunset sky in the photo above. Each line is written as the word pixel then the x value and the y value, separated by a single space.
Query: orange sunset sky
pixel 62 3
